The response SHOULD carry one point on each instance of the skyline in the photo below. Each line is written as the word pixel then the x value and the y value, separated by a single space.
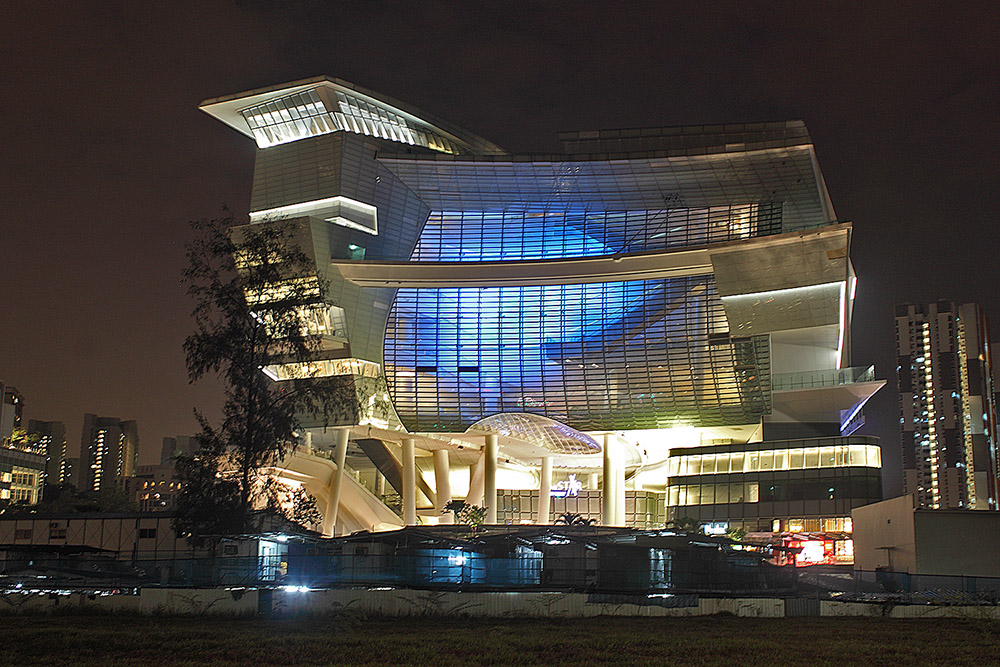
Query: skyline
pixel 903 148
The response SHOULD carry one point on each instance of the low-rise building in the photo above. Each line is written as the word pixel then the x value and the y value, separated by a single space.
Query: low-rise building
pixel 898 536
pixel 153 488
pixel 21 476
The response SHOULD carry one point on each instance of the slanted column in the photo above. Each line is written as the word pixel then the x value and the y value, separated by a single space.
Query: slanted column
pixel 442 479
pixel 337 483
pixel 545 491
pixel 608 492
pixel 475 495
pixel 409 482
pixel 490 478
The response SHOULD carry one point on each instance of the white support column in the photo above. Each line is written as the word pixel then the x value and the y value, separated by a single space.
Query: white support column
pixel 442 479
pixel 619 485
pixel 490 482
pixel 545 491
pixel 409 482
pixel 608 491
pixel 592 481
pixel 309 442
pixel 475 495
pixel 337 483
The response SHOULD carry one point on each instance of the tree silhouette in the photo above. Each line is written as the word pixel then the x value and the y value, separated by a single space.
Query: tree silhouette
pixel 254 290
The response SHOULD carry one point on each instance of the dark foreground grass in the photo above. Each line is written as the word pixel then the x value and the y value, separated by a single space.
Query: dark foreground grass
pixel 144 640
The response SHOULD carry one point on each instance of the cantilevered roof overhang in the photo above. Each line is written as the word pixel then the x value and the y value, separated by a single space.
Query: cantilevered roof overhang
pixel 672 263
pixel 229 109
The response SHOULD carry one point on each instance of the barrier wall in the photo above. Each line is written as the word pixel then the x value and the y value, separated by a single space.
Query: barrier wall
pixel 408 602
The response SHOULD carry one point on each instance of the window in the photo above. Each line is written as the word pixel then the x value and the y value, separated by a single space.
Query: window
pixel 56 532
pixel 22 534
pixel 147 533
pixel 23 478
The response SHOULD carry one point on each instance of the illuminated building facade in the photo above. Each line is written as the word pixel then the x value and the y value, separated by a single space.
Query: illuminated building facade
pixel 52 444
pixel 153 488
pixel 642 301
pixel 109 449
pixel 947 409
pixel 11 410
pixel 21 476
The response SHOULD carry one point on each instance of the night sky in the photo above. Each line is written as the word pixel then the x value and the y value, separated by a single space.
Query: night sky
pixel 106 157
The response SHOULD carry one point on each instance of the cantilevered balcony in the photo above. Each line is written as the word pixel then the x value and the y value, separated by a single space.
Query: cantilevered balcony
pixel 822 396
pixel 822 378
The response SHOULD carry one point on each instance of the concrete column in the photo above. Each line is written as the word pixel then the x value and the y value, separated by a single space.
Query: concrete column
pixel 619 485
pixel 475 495
pixel 309 442
pixel 442 479
pixel 608 490
pixel 337 483
pixel 545 491
pixel 490 478
pixel 592 482
pixel 409 482
pixel 379 484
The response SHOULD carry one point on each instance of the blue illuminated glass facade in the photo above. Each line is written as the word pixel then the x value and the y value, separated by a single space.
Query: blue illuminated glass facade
pixel 641 354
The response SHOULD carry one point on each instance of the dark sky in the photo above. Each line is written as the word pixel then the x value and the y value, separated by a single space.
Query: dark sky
pixel 105 157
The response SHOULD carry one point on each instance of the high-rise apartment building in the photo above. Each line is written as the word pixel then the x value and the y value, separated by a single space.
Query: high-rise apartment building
pixel 109 448
pixel 655 320
pixel 51 444
pixel 947 409
pixel 71 472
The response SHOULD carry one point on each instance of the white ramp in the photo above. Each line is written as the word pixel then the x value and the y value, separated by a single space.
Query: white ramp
pixel 360 509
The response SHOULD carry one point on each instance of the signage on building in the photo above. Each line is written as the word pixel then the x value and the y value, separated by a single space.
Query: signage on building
pixel 569 488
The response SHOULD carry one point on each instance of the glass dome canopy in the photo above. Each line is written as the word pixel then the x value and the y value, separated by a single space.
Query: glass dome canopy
pixel 554 436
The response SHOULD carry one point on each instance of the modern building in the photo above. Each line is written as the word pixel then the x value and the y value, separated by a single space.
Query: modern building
pixel 11 411
pixel 947 406
pixel 653 325
pixel 51 443
pixel 22 475
pixel 153 488
pixel 109 448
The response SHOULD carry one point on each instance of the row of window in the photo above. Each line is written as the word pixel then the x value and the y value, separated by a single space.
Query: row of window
pixel 23 478
pixel 854 487
pixel 475 236
pixel 57 532
pixel 304 114
pixel 799 458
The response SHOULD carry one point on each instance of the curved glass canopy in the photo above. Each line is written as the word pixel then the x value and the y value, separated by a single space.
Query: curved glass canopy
pixel 554 436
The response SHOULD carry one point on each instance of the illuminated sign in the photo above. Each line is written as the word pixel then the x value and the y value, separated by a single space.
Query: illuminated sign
pixel 567 489
pixel 717 528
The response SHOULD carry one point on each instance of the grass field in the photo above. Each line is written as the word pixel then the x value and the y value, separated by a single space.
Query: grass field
pixel 145 640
